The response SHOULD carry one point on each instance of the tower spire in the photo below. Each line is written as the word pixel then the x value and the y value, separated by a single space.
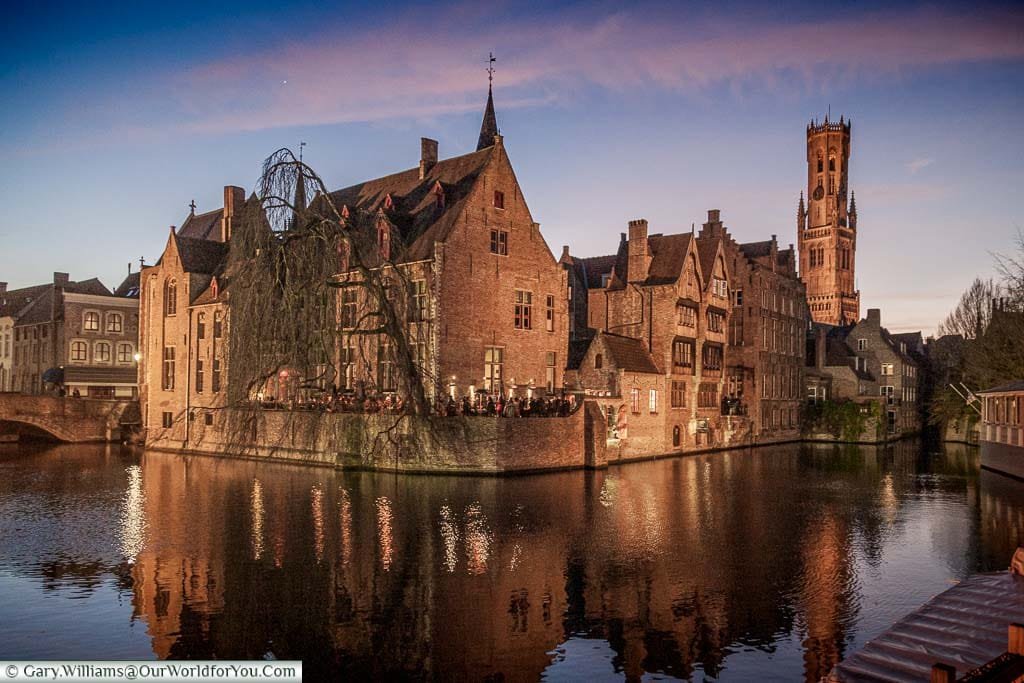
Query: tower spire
pixel 801 214
pixel 489 126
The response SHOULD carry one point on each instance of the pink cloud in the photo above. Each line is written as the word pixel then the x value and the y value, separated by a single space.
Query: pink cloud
pixel 430 64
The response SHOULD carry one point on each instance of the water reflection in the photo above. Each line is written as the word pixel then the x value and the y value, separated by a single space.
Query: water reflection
pixel 726 565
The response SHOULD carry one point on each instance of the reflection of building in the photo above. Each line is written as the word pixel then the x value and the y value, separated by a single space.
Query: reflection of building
pixel 827 228
pixel 79 334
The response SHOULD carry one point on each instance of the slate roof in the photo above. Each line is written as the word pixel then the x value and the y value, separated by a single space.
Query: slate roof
pixel 1017 385
pixel 206 296
pixel 40 310
pixel 129 288
pixel 203 226
pixel 591 269
pixel 14 301
pixel 201 255
pixel 629 354
pixel 754 250
pixel 416 214
pixel 667 255
pixel 707 249
pixel 838 353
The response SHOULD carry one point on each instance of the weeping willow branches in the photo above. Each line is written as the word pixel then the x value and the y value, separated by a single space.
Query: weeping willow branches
pixel 317 306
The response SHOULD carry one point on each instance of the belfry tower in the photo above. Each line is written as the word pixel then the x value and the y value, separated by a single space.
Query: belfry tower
pixel 827 227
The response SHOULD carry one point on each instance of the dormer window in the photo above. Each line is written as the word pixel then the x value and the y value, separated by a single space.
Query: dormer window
pixel 499 199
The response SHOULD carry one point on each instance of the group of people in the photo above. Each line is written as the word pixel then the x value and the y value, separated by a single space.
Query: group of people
pixel 501 406
pixel 393 404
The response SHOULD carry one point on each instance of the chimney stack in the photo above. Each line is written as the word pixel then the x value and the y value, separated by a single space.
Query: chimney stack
pixel 820 344
pixel 638 258
pixel 428 156
pixel 3 287
pixel 875 316
pixel 60 279
pixel 234 200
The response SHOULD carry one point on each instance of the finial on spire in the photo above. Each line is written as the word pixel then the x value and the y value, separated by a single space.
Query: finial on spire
pixel 301 145
pixel 192 205
pixel 489 126
pixel 142 263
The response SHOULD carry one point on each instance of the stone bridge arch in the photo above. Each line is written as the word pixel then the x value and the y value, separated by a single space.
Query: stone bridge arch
pixel 74 420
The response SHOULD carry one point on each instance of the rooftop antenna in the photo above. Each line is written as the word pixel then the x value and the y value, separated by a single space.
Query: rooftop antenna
pixel 491 59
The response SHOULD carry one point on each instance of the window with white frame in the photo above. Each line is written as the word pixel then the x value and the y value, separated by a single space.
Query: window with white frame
pixel 101 352
pixel 115 322
pixel 125 353
pixel 91 321
pixel 862 344
pixel 79 351
pixel 887 369
pixel 652 401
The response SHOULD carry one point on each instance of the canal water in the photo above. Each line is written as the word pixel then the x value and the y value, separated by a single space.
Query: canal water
pixel 769 564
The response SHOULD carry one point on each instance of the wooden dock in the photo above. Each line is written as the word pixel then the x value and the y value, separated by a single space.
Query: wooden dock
pixel 965 633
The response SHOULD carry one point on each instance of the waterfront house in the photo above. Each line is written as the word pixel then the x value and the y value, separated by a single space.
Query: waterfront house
pixel 1002 428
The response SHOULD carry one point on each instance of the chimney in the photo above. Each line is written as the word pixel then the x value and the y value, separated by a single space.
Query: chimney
pixel 3 287
pixel 428 156
pixel 234 200
pixel 637 250
pixel 60 279
pixel 565 255
pixel 875 316
pixel 820 344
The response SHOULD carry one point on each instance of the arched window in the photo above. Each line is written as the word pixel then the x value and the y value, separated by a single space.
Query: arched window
pixel 115 322
pixel 171 297
pixel 125 353
pixel 101 352
pixel 832 160
pixel 79 351
pixel 91 321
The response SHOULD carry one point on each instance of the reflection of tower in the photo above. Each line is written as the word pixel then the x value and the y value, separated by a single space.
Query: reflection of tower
pixel 825 595
pixel 827 228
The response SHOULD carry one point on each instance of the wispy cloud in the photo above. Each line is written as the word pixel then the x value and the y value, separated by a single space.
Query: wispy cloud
pixel 426 66
pixel 916 165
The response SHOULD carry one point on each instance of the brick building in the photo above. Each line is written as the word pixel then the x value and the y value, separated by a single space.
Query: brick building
pixel 76 334
pixel 658 311
pixel 765 349
pixel 864 362
pixel 488 306
pixel 827 227
pixel 489 296
pixel 184 324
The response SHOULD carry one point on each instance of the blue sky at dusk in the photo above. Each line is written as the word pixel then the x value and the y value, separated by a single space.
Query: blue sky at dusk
pixel 116 116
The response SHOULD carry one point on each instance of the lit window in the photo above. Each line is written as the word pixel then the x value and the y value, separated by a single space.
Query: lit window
pixel 91 323
pixel 124 353
pixel 494 360
pixel 79 351
pixel 101 353
pixel 115 322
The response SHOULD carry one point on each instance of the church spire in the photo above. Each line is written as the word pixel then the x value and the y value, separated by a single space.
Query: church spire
pixel 801 214
pixel 489 126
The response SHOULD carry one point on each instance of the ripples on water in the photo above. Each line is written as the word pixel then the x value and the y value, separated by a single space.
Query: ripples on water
pixel 779 560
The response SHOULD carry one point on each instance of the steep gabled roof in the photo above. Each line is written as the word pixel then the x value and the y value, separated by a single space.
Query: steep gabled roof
pixel 420 219
pixel 201 255
pixel 668 254
pixel 13 302
pixel 203 226
pixel 129 287
pixel 707 249
pixel 591 270
pixel 90 286
pixel 629 354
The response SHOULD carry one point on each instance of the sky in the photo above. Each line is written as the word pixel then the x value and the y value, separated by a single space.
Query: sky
pixel 115 116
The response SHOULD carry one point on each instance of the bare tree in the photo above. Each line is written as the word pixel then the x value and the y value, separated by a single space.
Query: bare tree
pixel 973 312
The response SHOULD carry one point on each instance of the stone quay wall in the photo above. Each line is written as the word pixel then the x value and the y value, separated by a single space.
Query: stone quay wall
pixel 75 420
pixel 463 444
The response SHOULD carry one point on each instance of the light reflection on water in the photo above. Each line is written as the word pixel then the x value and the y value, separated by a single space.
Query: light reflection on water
pixel 728 566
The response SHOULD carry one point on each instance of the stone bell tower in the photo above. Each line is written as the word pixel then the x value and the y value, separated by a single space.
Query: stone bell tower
pixel 827 227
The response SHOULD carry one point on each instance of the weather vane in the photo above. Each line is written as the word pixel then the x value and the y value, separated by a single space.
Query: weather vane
pixel 490 68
